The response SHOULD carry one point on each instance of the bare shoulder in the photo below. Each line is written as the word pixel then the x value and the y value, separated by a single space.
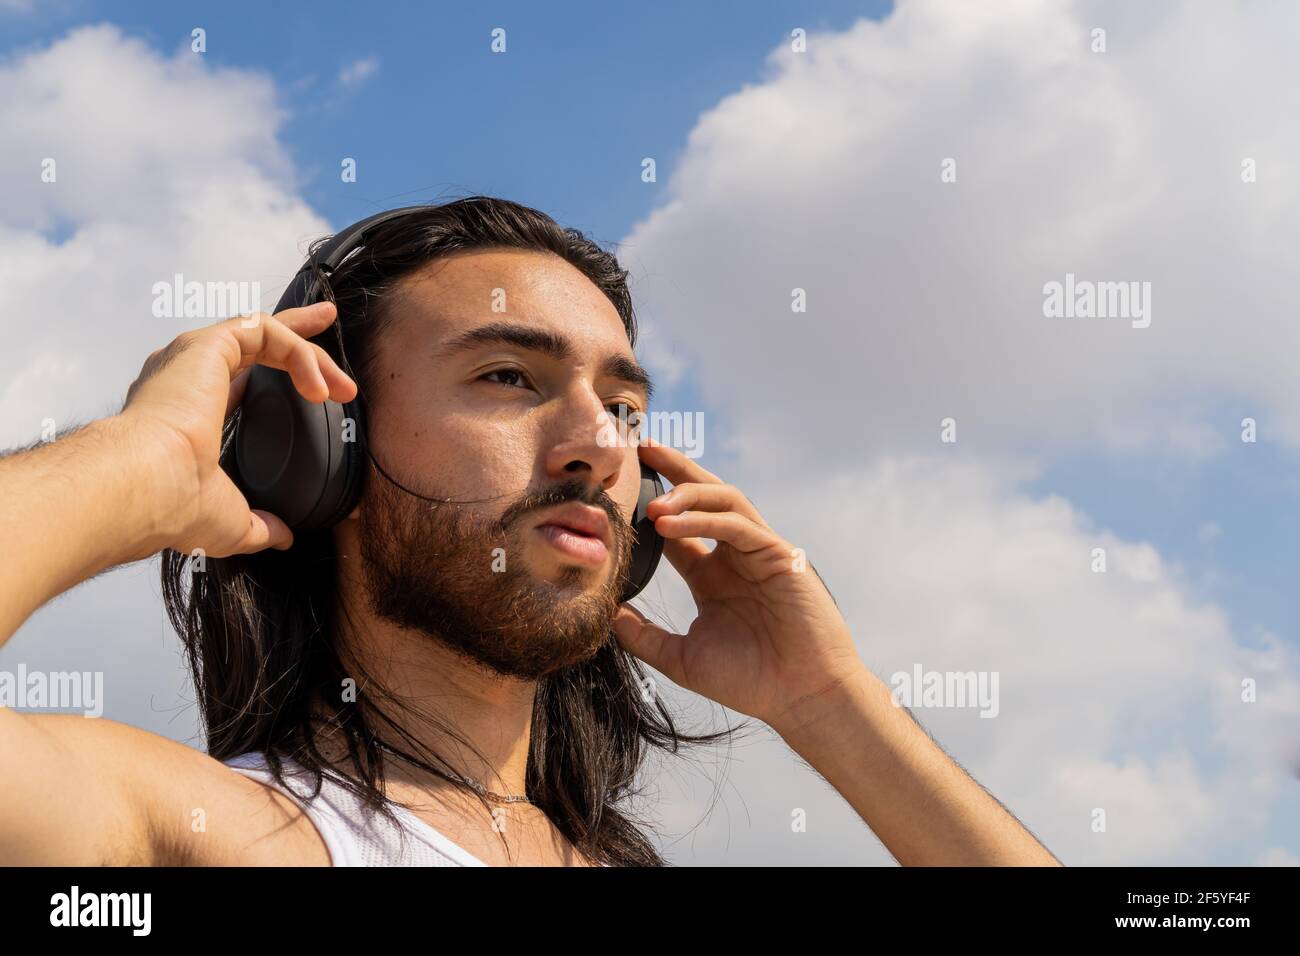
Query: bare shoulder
pixel 176 805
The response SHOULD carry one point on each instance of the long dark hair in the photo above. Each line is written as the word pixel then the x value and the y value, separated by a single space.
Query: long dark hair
pixel 262 636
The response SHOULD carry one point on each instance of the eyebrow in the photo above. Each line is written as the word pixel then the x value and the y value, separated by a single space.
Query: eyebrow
pixel 547 343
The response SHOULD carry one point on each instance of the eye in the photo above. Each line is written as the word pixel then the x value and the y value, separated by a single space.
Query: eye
pixel 621 411
pixel 505 371
pixel 624 414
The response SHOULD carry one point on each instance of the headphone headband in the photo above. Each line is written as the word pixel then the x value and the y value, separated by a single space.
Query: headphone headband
pixel 327 258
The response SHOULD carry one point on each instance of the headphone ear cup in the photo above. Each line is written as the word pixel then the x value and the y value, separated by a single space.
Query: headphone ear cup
pixel 648 544
pixel 290 455
pixel 349 443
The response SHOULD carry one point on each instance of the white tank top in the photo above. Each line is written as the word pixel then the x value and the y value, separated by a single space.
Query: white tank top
pixel 355 834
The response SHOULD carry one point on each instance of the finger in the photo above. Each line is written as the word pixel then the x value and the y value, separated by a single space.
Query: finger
pixel 710 497
pixel 684 554
pixel 265 530
pixel 270 342
pixel 641 637
pixel 309 320
pixel 673 464
pixel 238 385
pixel 342 387
pixel 725 527
pixel 305 320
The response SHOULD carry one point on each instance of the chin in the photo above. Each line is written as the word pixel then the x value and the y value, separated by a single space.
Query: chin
pixel 565 575
pixel 568 582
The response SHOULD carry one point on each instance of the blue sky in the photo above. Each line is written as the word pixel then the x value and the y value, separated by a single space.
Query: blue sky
pixel 1104 159
pixel 561 122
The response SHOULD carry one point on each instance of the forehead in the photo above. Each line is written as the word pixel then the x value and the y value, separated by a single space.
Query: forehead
pixel 455 294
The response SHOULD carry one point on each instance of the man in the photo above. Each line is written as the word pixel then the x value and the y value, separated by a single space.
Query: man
pixel 450 662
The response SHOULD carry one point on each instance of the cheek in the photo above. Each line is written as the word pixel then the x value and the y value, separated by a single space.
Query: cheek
pixel 626 493
pixel 465 457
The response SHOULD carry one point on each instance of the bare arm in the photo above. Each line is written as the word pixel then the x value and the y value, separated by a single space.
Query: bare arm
pixel 923 806
pixel 75 507
pixel 83 791
pixel 770 642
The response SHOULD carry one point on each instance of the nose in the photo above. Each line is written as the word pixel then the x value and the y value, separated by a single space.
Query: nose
pixel 585 440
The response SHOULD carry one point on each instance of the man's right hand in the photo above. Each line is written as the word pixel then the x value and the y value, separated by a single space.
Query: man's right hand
pixel 179 403
pixel 94 792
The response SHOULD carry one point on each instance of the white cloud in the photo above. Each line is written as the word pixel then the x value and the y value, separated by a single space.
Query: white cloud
pixel 1208 532
pixel 925 298
pixel 163 165
pixel 1120 691
pixel 1277 856
pixel 358 71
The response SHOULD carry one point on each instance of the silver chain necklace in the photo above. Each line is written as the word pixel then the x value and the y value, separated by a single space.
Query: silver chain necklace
pixel 453 775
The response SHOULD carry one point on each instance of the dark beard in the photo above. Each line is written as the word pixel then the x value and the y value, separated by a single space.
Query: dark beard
pixel 429 568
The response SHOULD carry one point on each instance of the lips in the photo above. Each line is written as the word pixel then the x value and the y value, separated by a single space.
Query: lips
pixel 583 520
pixel 577 548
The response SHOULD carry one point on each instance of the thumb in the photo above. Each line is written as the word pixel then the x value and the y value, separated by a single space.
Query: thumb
pixel 265 530
pixel 649 642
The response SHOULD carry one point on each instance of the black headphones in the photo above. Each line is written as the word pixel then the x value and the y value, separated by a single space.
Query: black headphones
pixel 294 459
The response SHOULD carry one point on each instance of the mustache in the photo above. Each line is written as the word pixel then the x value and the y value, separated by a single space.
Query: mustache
pixel 575 490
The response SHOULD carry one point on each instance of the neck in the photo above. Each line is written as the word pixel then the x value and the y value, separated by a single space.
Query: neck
pixel 433 697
